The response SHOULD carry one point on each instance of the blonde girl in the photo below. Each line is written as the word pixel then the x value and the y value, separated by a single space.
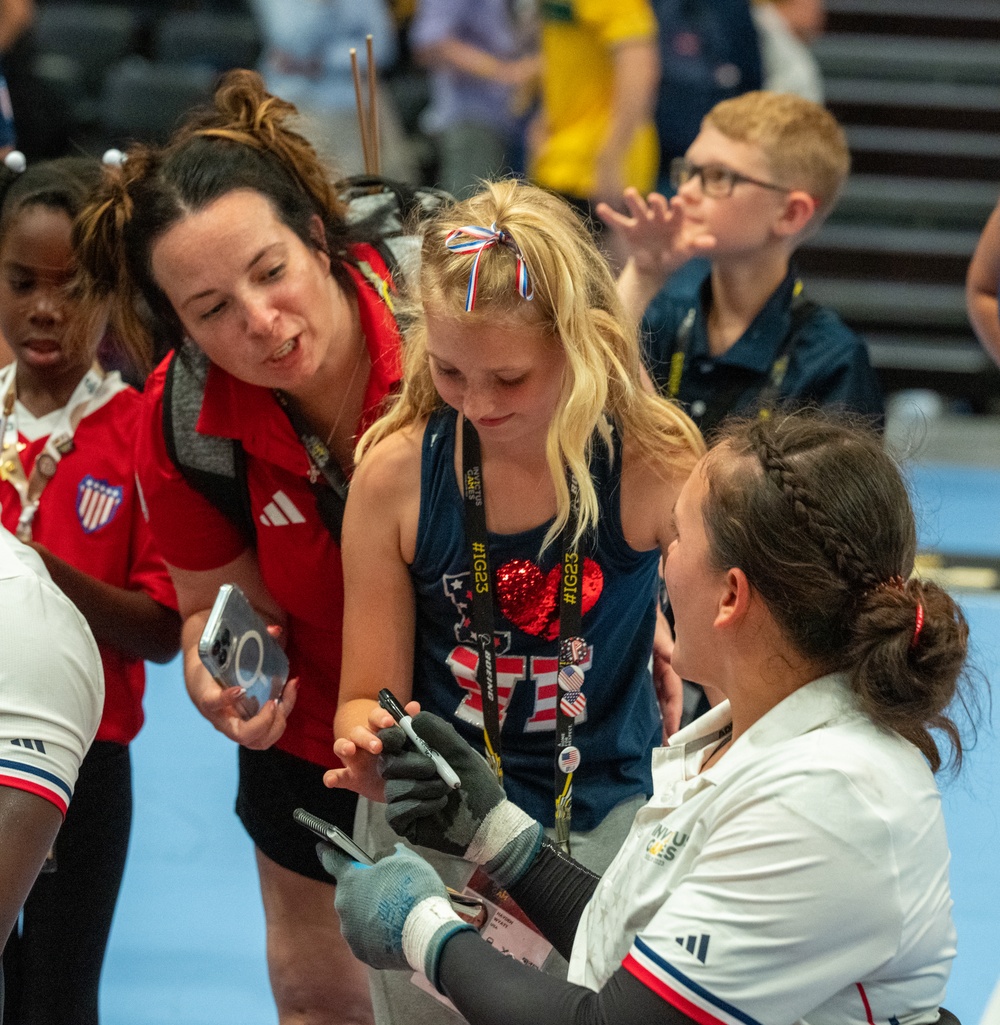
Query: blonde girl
pixel 522 380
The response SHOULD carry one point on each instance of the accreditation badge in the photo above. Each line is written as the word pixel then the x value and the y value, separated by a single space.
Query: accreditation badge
pixel 507 928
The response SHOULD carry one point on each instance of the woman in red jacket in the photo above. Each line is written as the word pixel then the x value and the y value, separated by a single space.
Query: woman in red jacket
pixel 233 243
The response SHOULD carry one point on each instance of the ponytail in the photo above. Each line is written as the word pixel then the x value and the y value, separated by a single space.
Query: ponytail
pixel 99 239
pixel 816 514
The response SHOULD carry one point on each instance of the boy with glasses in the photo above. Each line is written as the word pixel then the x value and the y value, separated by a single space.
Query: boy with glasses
pixel 760 178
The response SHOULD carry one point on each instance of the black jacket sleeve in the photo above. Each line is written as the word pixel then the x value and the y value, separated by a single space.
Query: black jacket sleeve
pixel 489 988
pixel 553 893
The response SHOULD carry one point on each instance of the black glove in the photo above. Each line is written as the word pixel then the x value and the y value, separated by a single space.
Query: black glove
pixel 475 822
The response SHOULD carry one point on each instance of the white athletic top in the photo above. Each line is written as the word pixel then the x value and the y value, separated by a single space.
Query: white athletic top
pixel 51 681
pixel 803 877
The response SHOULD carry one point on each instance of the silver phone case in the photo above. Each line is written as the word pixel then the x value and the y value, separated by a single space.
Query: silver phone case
pixel 237 650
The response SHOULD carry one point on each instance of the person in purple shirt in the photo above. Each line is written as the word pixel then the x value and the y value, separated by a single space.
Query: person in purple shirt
pixel 483 63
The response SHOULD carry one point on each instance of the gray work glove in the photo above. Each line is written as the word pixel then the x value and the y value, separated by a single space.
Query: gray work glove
pixel 476 822
pixel 395 913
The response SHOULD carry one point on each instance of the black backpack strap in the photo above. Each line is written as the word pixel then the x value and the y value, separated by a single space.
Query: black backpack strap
pixel 214 467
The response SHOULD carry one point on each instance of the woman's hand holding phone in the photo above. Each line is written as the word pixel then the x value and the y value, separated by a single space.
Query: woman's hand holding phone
pixel 224 707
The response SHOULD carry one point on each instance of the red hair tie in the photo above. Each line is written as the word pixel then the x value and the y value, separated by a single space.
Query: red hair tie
pixel 919 626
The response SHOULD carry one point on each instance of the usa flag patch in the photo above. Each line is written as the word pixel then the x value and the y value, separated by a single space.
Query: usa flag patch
pixel 97 502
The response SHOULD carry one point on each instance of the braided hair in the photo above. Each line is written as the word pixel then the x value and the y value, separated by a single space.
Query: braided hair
pixel 816 514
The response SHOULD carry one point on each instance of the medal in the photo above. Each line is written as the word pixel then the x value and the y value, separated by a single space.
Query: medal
pixel 46 465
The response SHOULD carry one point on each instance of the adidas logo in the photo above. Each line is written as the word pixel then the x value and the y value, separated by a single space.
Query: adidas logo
pixel 280 511
pixel 689 943
pixel 31 745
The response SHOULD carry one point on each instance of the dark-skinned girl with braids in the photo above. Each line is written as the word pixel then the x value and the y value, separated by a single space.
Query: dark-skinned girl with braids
pixel 230 243
pixel 792 864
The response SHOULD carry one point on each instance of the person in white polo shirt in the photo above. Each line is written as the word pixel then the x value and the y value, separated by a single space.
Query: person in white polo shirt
pixel 792 865
pixel 51 696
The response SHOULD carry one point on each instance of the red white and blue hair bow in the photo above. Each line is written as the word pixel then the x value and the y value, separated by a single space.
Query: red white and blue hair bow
pixel 473 239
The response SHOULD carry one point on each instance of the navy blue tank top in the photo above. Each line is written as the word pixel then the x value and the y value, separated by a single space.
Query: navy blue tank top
pixel 621 724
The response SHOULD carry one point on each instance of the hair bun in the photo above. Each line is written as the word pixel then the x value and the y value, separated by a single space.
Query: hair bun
pixel 244 103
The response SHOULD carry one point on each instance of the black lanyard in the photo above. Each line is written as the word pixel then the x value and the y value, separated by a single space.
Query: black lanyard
pixel 572 646
pixel 801 310
pixel 331 493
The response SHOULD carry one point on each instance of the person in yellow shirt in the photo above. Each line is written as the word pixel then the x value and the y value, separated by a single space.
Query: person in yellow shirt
pixel 600 71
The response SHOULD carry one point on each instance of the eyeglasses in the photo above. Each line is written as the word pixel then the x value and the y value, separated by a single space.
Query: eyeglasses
pixel 717 180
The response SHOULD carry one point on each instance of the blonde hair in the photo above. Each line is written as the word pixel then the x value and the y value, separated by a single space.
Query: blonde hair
pixel 576 302
pixel 802 142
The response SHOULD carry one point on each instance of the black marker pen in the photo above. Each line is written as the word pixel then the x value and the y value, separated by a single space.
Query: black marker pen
pixel 388 701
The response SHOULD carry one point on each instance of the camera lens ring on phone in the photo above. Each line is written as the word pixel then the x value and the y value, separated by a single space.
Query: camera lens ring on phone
pixel 256 637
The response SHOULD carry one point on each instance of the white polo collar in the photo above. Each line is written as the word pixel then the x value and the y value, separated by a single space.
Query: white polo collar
pixel 813 705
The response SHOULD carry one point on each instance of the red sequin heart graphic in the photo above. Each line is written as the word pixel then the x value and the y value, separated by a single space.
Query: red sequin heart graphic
pixel 530 599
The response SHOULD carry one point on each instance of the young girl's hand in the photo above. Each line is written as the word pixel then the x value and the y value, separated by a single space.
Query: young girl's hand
pixel 359 752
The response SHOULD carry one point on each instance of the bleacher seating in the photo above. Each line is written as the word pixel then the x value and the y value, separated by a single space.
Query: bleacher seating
pixel 129 72
pixel 915 83
pixel 77 43
pixel 218 41
pixel 145 101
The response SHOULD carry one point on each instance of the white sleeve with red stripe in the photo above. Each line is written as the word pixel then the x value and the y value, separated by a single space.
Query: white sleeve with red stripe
pixel 51 680
pixel 780 904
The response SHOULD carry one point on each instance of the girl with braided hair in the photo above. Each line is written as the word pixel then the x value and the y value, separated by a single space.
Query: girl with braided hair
pixel 230 245
pixel 792 864
pixel 67 489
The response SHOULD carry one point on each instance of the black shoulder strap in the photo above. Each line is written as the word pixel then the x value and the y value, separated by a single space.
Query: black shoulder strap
pixel 214 467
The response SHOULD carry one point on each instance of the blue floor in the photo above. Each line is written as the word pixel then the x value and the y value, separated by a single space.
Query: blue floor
pixel 187 946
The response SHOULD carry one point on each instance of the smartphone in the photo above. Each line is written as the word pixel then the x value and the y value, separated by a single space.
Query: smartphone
pixel 237 650
pixel 470 908
pixel 334 834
